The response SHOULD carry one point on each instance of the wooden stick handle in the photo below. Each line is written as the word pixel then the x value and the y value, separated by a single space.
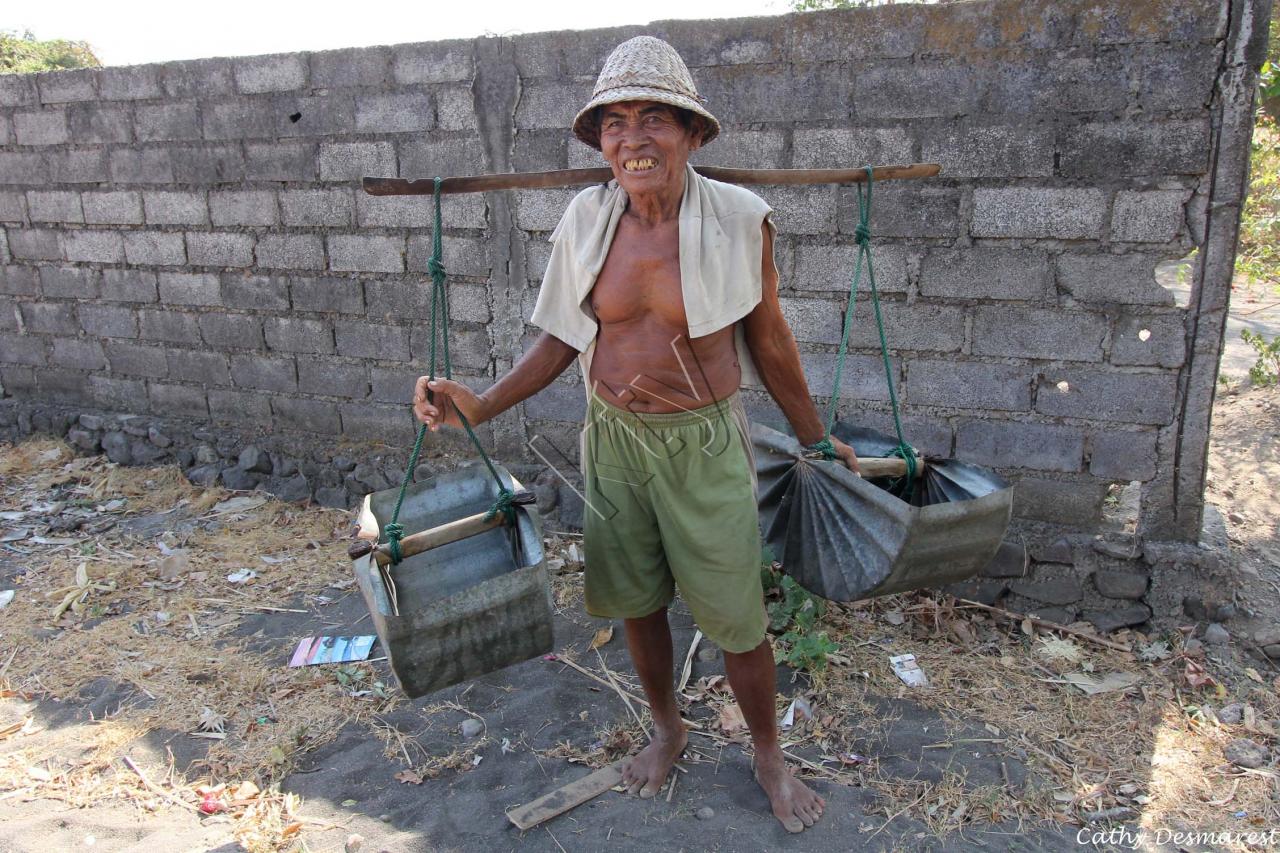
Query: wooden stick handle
pixel 471 525
pixel 889 466
pixel 576 177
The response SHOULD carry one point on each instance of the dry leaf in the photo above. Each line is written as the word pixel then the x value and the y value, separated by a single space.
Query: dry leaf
pixel 894 617
pixel 1056 648
pixel 731 719
pixel 1254 674
pixel 1108 683
pixel 602 636
pixel 409 777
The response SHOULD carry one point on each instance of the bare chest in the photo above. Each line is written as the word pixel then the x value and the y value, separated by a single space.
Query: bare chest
pixel 640 278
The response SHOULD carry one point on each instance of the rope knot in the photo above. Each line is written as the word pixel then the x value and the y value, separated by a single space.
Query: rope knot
pixel 395 532
pixel 862 234
pixel 435 266
pixel 505 504
pixel 823 448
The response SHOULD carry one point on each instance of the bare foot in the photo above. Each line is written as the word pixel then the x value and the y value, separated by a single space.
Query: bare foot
pixel 794 804
pixel 645 774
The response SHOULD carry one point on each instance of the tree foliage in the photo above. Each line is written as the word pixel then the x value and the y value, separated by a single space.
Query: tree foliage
pixel 23 54
pixel 816 5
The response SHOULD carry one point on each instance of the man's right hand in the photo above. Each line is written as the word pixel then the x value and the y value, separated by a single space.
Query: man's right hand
pixel 448 398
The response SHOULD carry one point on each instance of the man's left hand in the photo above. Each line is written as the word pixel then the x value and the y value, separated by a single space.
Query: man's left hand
pixel 846 455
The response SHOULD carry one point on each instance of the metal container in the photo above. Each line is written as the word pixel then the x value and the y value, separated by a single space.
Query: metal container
pixel 845 538
pixel 466 608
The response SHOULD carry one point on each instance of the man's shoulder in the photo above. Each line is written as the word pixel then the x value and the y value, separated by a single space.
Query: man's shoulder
pixel 734 199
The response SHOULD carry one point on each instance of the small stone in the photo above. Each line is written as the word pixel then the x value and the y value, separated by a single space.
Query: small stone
pixel 706 654
pixel 471 728
pixel 158 438
pixel 1243 752
pixel 367 478
pixel 145 453
pixel 1058 552
pixel 1232 714
pixel 83 439
pixel 1118 550
pixel 1222 612
pixel 185 458
pixel 116 446
pixel 385 818
pixel 203 475
pixel 295 488
pixel 202 434
pixel 1268 636
pixel 91 422
pixel 334 497
pixel 1216 635
pixel 206 455
pixel 283 466
pixel 238 480
pixel 1130 585
pixel 1194 607
pixel 1235 518
pixel 135 425
pixel 547 492
pixel 1010 561
pixel 1272 651
pixel 354 842
pixel 1107 621
pixel 253 459
pixel 423 471
pixel 343 463
pixel 1193 646
pixel 706 813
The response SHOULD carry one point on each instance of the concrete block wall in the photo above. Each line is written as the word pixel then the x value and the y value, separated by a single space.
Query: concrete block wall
pixel 190 239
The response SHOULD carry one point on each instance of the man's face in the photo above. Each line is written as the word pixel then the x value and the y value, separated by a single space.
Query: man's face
pixel 645 144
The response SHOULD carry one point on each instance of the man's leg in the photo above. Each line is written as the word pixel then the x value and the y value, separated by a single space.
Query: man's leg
pixel 649 641
pixel 753 678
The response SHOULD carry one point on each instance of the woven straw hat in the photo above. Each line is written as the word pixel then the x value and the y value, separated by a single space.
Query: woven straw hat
pixel 643 69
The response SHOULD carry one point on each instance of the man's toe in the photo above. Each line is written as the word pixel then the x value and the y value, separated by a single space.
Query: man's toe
pixel 650 790
pixel 792 824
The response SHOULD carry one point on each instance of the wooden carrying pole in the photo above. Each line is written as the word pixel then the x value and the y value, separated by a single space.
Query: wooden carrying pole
pixel 576 177
pixel 472 525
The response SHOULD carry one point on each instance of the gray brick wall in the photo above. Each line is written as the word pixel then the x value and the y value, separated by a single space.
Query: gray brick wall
pixel 172 240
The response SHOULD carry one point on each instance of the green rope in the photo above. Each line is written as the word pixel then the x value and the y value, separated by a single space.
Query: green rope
pixel 862 236
pixel 505 502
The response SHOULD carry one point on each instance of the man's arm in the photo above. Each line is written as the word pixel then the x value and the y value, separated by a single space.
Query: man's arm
pixel 545 360
pixel 777 359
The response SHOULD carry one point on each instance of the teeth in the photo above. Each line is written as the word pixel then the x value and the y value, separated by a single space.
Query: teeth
pixel 640 165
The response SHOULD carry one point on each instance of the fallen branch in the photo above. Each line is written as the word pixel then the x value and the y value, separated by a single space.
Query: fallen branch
pixel 1047 625
pixel 156 789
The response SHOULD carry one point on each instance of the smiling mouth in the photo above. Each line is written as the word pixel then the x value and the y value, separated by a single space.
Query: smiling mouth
pixel 641 164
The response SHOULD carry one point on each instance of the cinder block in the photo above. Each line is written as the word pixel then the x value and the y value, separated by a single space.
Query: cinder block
pixel 969 385
pixel 319 207
pixel 278 73
pixel 455 109
pixel 1110 149
pixel 434 62
pixel 980 273
pixel 319 416
pixel 328 295
pixel 1155 216
pixel 77 353
pixel 373 340
pixel 1134 398
pixel 239 118
pixel 54 206
pixel 123 207
pixel 220 249
pixel 1096 82
pixel 34 244
pixel 918 326
pixel 321 115
pixel 243 207
pixel 1174 79
pixel 123 285
pixel 163 122
pixel 863 377
pixel 425 158
pixel 1159 341
pixel 396 113
pixel 19 280
pixel 835 36
pixel 831 148
pixel 1009 444
pixel 20 167
pixel 17 90
pixel 41 127
pixel 141 166
pixel 21 349
pixel 170 326
pixel 368 422
pixel 106 247
pixel 1126 279
pixel 98 123
pixel 403 211
pixel 540 210
pixel 467 347
pixel 239 407
pixel 396 384
pixel 923 90
pixel 1127 455
pixel 753 97
pixel 69 282
pixel 291 251
pixel 50 318
pixel 57 87
pixel 108 321
pixel 904 211
pixel 1058 501
pixel 231 331
pixel 13 207
pixel 986 151
pixel 190 288
pixel 362 66
pixel 263 373
pixel 181 401
pixel 135 360
pixel 283 161
pixel 367 253
pixel 351 161
pixel 746 149
pixel 160 248
pixel 294 334
pixel 255 292
pixel 390 299
pixel 8 317
pixel 77 166
pixel 550 104
pixel 802 210
pixel 814 320
pixel 60 385
pixel 209 164
pixel 332 378
pixel 175 207
pixel 466 256
pixel 120 395
pixel 205 368
pixel 1038 333
pixel 1069 214
pixel 202 78
pixel 15 378
pixel 129 83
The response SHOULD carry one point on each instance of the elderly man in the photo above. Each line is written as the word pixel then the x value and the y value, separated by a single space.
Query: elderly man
pixel 662 284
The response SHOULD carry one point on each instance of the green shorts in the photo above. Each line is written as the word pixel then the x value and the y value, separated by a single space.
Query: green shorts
pixel 671 502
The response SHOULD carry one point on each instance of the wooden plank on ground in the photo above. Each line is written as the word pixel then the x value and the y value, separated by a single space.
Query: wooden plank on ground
pixel 566 797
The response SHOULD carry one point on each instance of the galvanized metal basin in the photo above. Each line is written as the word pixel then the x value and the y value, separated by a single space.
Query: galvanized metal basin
pixel 466 608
